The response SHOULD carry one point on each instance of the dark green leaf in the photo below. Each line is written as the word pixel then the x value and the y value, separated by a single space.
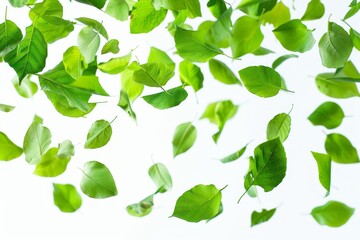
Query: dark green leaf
pixel 201 202
pixel 335 88
pixel 332 214
pixel 97 181
pixel 6 108
pixel 142 208
pixel 118 9
pixel 51 165
pixel 184 137
pixel 261 217
pixel 340 149
pixel 234 156
pixel 324 168
pixel 280 14
pixel 111 46
pixel 66 197
pixel 10 36
pixel 315 10
pixel 97 26
pixel 99 134
pixel 8 149
pixel 279 127
pixel 161 177
pixel 282 59
pixel 190 74
pixel 222 72
pixel 328 114
pixel 168 99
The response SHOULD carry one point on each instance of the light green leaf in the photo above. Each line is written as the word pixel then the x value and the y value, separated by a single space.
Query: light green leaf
pixel 221 209
pixel 335 46
pixel 295 36
pixel 115 65
pixel 97 181
pixel 219 113
pixel 219 33
pixel 128 85
pixel 190 74
pixel 222 72
pixel 262 51
pixel 201 202
pixel 280 14
pixel 340 149
pixel 347 73
pixel 111 46
pixel 66 149
pixel 88 42
pixel 332 214
pixel 354 8
pixel 18 3
pixel 261 217
pixel 125 104
pixel 282 59
pixel 30 55
pixel 315 10
pixel 156 55
pixel 216 7
pixel 66 197
pixel 355 37
pixel 153 74
pixel 234 156
pixel 328 114
pixel 192 47
pixel 144 17
pixel 6 108
pixel 46 8
pixel 142 208
pixel 99 134
pixel 161 177
pixel 279 127
pixel 27 89
pixel 96 3
pixel 118 9
pixel 335 88
pixel 170 98
pixel 51 165
pixel 324 168
pixel 184 138
pixel 36 142
pixel 261 80
pixel 10 36
pixel 95 25
pixel 256 7
pixel 74 62
pixel 8 149
pixel 246 36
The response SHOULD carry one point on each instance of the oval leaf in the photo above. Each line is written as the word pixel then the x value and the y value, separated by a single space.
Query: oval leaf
pixel 51 165
pixel 161 177
pixel 335 88
pixel 314 10
pixel 328 114
pixel 170 98
pixel 261 217
pixel 279 127
pixel 8 149
pixel 99 134
pixel 340 149
pixel 66 197
pixel 332 214
pixel 222 72
pixel 184 137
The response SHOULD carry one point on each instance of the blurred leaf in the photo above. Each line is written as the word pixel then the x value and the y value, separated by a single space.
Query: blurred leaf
pixel 184 138
pixel 282 59
pixel 66 149
pixel 280 14
pixel 190 74
pixel 95 25
pixel 261 217
pixel 335 88
pixel 161 177
pixel 125 104
pixel 6 108
pixel 118 9
pixel 315 10
pixel 216 7
pixel 115 65
pixel 234 156
pixel 8 149
pixel 340 149
pixel 256 7
pixel 142 208
pixel 96 3
pixel 66 197
pixel 324 168
pixel 328 114
pixel 74 62
pixel 332 214
pixel 111 46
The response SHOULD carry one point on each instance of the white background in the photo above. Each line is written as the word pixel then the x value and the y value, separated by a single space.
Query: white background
pixel 26 203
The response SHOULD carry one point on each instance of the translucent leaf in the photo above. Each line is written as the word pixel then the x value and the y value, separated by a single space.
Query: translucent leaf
pixel 74 62
pixel 335 88
pixel 95 25
pixel 332 214
pixel 261 217
pixel 97 181
pixel 328 114
pixel 222 72
pixel 128 85
pixel 111 46
pixel 51 165
pixel 234 156
pixel 184 138
pixel 66 197
pixel 190 74
pixel 315 10
pixel 115 65
pixel 88 42
pixel 125 104
pixel 118 9
pixel 142 208
pixel 279 127
pixel 6 108
pixel 8 149
pixel 340 149
pixel 99 134
pixel 280 14
pixel 66 149
pixel 10 36
pixel 324 168
pixel 201 202
pixel 18 3
pixel 153 74
pixel 170 98
pixel 161 177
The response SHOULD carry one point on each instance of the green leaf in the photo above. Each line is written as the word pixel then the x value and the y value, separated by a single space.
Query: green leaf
pixel 184 138
pixel 18 3
pixel 8 149
pixel 10 36
pixel 95 25
pixel 66 197
pixel 328 114
pixel 335 88
pixel 36 142
pixel 6 108
pixel 96 3
pixel 219 113
pixel 221 209
pixel 332 214
pixel 192 47
pixel 99 134
pixel 190 74
pixel 335 46
pixel 324 168
pixel 234 156
pixel 115 65
pixel 51 165
pixel 256 7
pixel 142 208
pixel 74 62
pixel 88 42
pixel 118 9
pixel 222 72
pixel 27 89
pixel 314 10
pixel 340 149
pixel 280 14
pixel 219 32
pixel 46 8
pixel 161 177
pixel 262 51
pixel 216 7
pixel 156 56
pixel 66 149
pixel 153 74
pixel 125 104
pixel 347 73
pixel 170 98
pixel 261 80
pixel 128 85
pixel 246 36
pixel 201 202
pixel 279 127
pixel 295 36
pixel 97 181
pixel 30 55
pixel 261 217
pixel 355 37
pixel 354 8
pixel 144 17
pixel 282 59
pixel 111 46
